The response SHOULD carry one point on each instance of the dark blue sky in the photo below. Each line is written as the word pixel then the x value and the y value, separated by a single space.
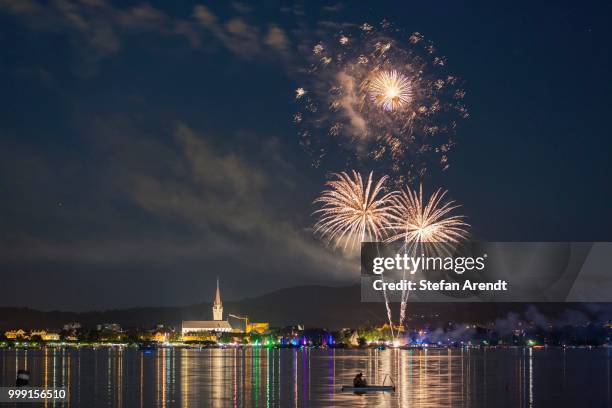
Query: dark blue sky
pixel 147 148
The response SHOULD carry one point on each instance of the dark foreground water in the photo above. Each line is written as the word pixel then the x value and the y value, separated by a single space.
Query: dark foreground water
pixel 269 377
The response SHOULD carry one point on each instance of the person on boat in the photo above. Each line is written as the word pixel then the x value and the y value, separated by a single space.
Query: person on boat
pixel 359 381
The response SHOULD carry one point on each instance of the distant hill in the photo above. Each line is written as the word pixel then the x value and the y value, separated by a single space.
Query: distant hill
pixel 313 306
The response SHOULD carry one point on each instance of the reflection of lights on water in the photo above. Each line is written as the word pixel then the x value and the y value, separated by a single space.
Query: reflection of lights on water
pixel 268 377
pixel 295 377
pixel 530 377
pixel 120 377
pixel 216 376
pixel 68 370
pixel 429 377
pixel 141 380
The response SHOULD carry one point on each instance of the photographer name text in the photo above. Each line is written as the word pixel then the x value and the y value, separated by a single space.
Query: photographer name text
pixel 441 285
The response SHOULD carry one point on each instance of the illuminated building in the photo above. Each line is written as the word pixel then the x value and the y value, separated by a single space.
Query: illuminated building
pixel 161 336
pixel 197 327
pixel 15 334
pixel 249 327
pixel 259 328
pixel 45 335
pixel 217 306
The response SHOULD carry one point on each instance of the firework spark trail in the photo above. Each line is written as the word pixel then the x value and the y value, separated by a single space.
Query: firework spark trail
pixel 388 307
pixel 379 98
pixel 415 224
pixel 353 212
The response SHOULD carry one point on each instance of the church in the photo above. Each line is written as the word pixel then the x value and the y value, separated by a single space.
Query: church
pixel 208 326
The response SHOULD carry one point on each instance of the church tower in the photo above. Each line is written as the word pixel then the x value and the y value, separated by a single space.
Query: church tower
pixel 217 306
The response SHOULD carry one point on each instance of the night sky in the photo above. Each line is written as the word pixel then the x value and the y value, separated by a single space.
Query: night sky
pixel 147 148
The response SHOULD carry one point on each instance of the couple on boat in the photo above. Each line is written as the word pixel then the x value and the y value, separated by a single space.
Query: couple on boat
pixel 359 381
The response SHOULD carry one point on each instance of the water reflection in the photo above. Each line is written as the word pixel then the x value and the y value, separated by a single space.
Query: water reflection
pixel 258 377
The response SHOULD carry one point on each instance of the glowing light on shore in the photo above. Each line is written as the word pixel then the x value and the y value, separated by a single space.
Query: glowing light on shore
pixel 353 211
pixel 390 90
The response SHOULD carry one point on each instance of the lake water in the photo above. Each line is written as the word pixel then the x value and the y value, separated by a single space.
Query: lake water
pixel 124 377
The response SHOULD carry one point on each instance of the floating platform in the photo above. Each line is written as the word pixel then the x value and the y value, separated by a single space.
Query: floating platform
pixel 369 388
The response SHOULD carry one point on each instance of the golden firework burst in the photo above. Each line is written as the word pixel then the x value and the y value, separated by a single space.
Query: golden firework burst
pixel 415 222
pixel 353 211
pixel 390 90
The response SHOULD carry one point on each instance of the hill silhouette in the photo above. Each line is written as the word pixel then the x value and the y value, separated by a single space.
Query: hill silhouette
pixel 312 306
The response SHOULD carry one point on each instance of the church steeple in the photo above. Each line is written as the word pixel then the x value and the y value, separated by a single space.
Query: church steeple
pixel 218 306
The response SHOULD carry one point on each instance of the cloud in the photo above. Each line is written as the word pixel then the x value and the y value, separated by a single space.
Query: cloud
pixel 96 27
pixel 207 189
pixel 142 17
pixel 241 7
pixel 277 38
pixel 205 17
pixel 244 39
pixel 224 193
pixel 334 8
pixel 99 29
pixel 25 8
pixel 189 201
pixel 349 104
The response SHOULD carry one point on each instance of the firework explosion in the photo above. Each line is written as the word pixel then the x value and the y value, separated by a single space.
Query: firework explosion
pixel 390 90
pixel 415 222
pixel 353 212
pixel 383 97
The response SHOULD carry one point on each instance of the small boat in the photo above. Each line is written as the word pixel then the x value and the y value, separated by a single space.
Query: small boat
pixel 369 388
